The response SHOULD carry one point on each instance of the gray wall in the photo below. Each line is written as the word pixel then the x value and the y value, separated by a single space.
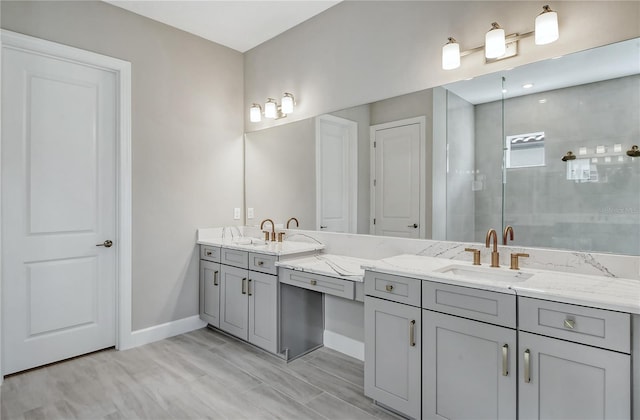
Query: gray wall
pixel 186 137
pixel 545 207
pixel 359 52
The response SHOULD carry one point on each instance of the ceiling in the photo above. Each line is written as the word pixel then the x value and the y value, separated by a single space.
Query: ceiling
pixel 237 24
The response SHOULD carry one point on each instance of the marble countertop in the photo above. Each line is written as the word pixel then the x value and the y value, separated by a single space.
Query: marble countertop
pixel 338 266
pixel 257 245
pixel 610 293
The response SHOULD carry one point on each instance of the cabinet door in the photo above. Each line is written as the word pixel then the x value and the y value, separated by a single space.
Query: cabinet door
pixel 234 302
pixel 210 292
pixel 263 310
pixel 564 380
pixel 392 355
pixel 468 369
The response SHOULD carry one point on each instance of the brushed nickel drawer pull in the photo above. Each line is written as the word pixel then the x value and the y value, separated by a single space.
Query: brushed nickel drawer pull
pixel 389 287
pixel 412 333
pixel 505 360
pixel 313 282
pixel 570 323
pixel 249 288
pixel 260 262
pixel 208 253
pixel 215 278
pixel 244 286
pixel 527 366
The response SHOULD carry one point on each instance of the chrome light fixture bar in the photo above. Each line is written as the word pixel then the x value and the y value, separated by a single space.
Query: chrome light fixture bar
pixel 499 46
pixel 272 109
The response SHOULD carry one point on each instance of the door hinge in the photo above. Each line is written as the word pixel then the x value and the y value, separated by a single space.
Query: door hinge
pixel 374 182
pixel 374 144
pixel 374 221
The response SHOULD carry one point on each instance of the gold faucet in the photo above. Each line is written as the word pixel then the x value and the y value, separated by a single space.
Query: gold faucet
pixel 495 256
pixel 266 233
pixel 296 220
pixel 508 230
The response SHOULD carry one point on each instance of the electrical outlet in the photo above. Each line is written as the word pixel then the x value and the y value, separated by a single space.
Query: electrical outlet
pixel 236 213
pixel 250 213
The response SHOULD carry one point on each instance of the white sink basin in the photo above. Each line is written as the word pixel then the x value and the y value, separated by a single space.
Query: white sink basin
pixel 478 273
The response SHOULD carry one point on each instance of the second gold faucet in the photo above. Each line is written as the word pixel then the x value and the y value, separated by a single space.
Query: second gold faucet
pixel 495 256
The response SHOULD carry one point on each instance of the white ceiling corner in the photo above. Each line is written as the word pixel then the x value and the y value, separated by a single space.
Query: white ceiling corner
pixel 237 24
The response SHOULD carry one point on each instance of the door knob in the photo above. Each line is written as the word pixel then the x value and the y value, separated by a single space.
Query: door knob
pixel 106 244
pixel 323 227
pixel 415 226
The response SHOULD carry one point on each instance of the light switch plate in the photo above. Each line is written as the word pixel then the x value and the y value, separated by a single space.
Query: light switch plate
pixel 250 213
pixel 236 213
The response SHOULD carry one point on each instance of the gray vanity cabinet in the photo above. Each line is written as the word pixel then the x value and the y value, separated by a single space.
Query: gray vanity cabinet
pixel 249 299
pixel 468 369
pixel 392 345
pixel 469 353
pixel 562 374
pixel 234 302
pixel 210 292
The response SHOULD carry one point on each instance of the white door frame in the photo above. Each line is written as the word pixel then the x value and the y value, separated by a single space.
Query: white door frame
pixel 422 120
pixel 122 71
pixel 353 170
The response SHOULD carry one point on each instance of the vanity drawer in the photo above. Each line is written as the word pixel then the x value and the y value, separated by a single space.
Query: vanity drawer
pixel 324 284
pixel 592 326
pixel 396 288
pixel 263 263
pixel 480 305
pixel 234 258
pixel 210 253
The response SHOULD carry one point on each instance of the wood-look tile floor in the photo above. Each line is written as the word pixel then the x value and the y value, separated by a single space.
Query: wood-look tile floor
pixel 202 374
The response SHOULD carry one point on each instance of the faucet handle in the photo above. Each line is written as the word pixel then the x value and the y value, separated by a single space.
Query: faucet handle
pixel 266 235
pixel 514 260
pixel 280 235
pixel 476 255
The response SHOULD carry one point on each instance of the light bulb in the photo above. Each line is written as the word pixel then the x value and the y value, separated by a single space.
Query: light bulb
pixel 255 113
pixel 495 44
pixel 451 55
pixel 270 108
pixel 287 103
pixel 546 26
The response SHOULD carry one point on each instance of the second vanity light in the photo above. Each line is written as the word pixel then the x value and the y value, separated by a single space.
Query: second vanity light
pixel 272 109
pixel 496 43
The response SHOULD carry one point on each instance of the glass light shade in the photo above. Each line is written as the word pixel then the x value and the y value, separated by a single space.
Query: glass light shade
pixel 451 55
pixel 270 109
pixel 546 27
pixel 255 113
pixel 495 43
pixel 287 103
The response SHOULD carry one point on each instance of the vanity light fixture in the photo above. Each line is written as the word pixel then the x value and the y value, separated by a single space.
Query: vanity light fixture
pixel 546 26
pixel 271 108
pixel 255 113
pixel 495 44
pixel 499 46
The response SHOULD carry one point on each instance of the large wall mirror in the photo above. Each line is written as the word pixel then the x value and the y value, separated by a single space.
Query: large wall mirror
pixel 450 162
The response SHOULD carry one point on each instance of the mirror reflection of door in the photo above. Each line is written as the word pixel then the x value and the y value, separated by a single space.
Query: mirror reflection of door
pixel 397 192
pixel 336 174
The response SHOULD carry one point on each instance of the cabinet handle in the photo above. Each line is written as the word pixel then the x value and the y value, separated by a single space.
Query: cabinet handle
pixel 260 262
pixel 505 360
pixel 570 323
pixel 313 282
pixel 244 286
pixel 389 287
pixel 249 288
pixel 215 278
pixel 412 333
pixel 208 253
pixel 527 366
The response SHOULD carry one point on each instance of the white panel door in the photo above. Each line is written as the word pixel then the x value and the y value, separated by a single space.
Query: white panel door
pixel 58 203
pixel 336 168
pixel 397 181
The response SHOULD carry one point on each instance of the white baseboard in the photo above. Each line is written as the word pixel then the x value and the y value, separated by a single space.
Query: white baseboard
pixel 166 330
pixel 344 344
